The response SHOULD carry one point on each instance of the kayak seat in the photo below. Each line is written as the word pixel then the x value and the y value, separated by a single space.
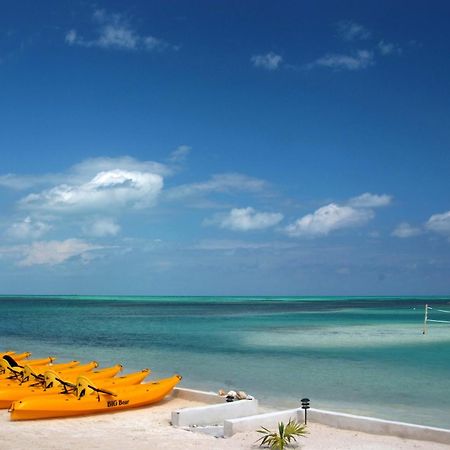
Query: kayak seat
pixel 51 379
pixel 28 373
pixel 11 361
pixel 9 366
pixel 84 386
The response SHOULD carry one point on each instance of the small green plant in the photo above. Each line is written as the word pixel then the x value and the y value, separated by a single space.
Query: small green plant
pixel 286 434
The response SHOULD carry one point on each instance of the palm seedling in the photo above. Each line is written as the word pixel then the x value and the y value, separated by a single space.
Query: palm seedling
pixel 285 435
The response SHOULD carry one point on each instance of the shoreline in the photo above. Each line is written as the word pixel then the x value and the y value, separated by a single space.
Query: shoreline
pixel 150 428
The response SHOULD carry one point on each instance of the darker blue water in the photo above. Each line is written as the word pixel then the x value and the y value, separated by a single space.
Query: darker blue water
pixel 365 355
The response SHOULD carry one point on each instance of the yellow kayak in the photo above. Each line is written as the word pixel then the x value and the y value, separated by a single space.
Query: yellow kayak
pixel 18 356
pixel 92 400
pixel 30 375
pixel 7 361
pixel 8 371
pixel 55 385
pixel 44 379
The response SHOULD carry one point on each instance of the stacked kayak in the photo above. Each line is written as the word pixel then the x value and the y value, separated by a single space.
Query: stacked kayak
pixel 40 389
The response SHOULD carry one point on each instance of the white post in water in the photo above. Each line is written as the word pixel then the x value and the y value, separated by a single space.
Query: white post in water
pixel 425 320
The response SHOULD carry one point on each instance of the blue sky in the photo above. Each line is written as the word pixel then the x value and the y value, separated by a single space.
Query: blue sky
pixel 225 148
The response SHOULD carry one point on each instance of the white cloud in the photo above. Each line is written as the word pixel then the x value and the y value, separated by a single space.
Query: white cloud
pixel 327 219
pixel 350 31
pixel 114 32
pixel 368 200
pixel 223 183
pixel 90 167
pixel 245 219
pixel 405 230
pixel 102 227
pixel 439 223
pixel 83 172
pixel 269 61
pixel 54 252
pixel 361 59
pixel 28 229
pixel 108 189
pixel 180 154
pixel 388 48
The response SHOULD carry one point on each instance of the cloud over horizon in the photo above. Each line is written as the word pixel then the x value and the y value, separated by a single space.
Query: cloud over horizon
pixel 246 219
pixel 357 212
pixel 439 223
pixel 405 230
pixel 53 252
pixel 114 188
pixel 328 218
pixel 368 200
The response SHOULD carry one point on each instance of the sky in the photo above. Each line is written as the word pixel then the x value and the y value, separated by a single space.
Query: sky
pixel 225 148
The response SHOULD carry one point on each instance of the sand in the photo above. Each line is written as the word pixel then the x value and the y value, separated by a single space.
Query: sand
pixel 149 428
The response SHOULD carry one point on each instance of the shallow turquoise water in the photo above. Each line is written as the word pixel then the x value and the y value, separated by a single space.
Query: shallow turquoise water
pixel 365 355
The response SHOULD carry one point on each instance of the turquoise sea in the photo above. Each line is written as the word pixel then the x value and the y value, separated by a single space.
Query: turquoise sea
pixel 363 355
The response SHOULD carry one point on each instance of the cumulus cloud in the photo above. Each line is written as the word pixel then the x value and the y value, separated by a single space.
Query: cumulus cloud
pixel 245 219
pixel 113 31
pixel 102 227
pixel 439 223
pixel 91 166
pixel 351 31
pixel 368 200
pixel 223 183
pixel 327 219
pixel 405 230
pixel 83 172
pixel 361 59
pixel 28 229
pixel 54 252
pixel 269 61
pixel 108 189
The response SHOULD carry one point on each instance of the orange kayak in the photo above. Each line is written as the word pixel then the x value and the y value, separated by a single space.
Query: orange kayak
pixel 7 370
pixel 18 356
pixel 53 386
pixel 9 361
pixel 29 375
pixel 92 400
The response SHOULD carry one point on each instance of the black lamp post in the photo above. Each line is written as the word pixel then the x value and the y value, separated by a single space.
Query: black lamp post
pixel 305 406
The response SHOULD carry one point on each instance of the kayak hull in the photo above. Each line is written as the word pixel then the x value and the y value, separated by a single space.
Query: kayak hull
pixel 69 406
pixel 104 379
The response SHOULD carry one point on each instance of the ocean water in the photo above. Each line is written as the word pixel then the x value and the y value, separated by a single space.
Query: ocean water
pixel 361 355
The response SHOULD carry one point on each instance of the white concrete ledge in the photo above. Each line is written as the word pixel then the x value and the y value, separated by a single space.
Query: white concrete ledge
pixel 198 396
pixel 253 423
pixel 213 414
pixel 339 420
pixel 240 416
pixel 377 426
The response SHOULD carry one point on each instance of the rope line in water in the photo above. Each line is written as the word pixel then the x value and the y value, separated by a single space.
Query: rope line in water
pixel 440 310
pixel 439 321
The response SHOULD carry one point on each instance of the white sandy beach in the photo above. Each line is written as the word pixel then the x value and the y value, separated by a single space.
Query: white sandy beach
pixel 149 428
